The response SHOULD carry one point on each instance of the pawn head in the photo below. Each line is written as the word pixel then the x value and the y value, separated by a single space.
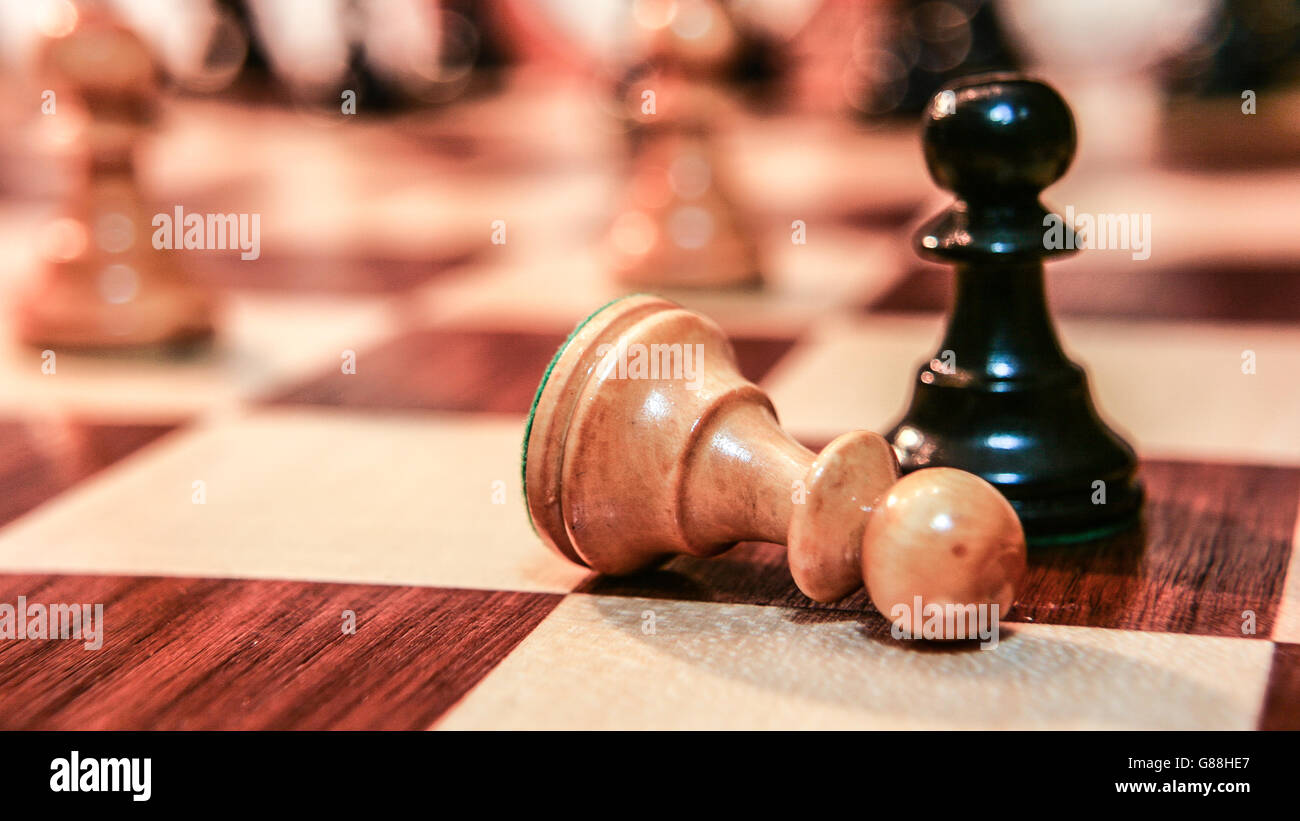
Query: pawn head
pixel 945 536
pixel 991 134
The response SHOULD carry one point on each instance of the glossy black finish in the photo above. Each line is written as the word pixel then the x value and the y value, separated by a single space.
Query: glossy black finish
pixel 1013 408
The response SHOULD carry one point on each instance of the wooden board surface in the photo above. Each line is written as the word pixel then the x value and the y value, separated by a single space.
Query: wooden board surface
pixel 393 492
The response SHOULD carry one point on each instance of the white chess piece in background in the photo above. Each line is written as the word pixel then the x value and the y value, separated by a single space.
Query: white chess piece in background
pixel 1101 54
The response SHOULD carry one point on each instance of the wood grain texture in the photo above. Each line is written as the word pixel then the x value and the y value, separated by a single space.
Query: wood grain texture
pixel 1216 542
pixel 468 370
pixel 41 458
pixel 234 654
pixel 1226 290
pixel 1282 699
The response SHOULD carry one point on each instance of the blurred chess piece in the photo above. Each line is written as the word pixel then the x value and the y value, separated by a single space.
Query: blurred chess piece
pixel 1103 56
pixel 103 285
pixel 901 51
pixel 679 228
pixel 391 53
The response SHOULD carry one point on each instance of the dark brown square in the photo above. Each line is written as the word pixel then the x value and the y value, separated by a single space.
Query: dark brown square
pixel 1282 698
pixel 1239 290
pixel 339 275
pixel 213 654
pixel 469 370
pixel 40 459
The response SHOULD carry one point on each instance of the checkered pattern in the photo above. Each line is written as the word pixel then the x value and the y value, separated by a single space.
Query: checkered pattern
pixel 393 492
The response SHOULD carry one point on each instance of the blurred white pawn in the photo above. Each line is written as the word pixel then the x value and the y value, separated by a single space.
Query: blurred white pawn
pixel 1101 54
pixel 409 44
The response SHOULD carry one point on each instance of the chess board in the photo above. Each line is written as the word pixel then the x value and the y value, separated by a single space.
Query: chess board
pixel 231 505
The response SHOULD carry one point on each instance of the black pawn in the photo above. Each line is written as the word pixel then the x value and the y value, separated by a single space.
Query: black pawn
pixel 1000 398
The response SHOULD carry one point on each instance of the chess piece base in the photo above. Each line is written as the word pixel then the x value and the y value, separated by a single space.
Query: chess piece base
pixel 1068 476
pixel 1011 408
pixel 64 312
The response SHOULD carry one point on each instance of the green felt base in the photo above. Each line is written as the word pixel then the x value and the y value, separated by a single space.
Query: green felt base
pixel 1091 535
